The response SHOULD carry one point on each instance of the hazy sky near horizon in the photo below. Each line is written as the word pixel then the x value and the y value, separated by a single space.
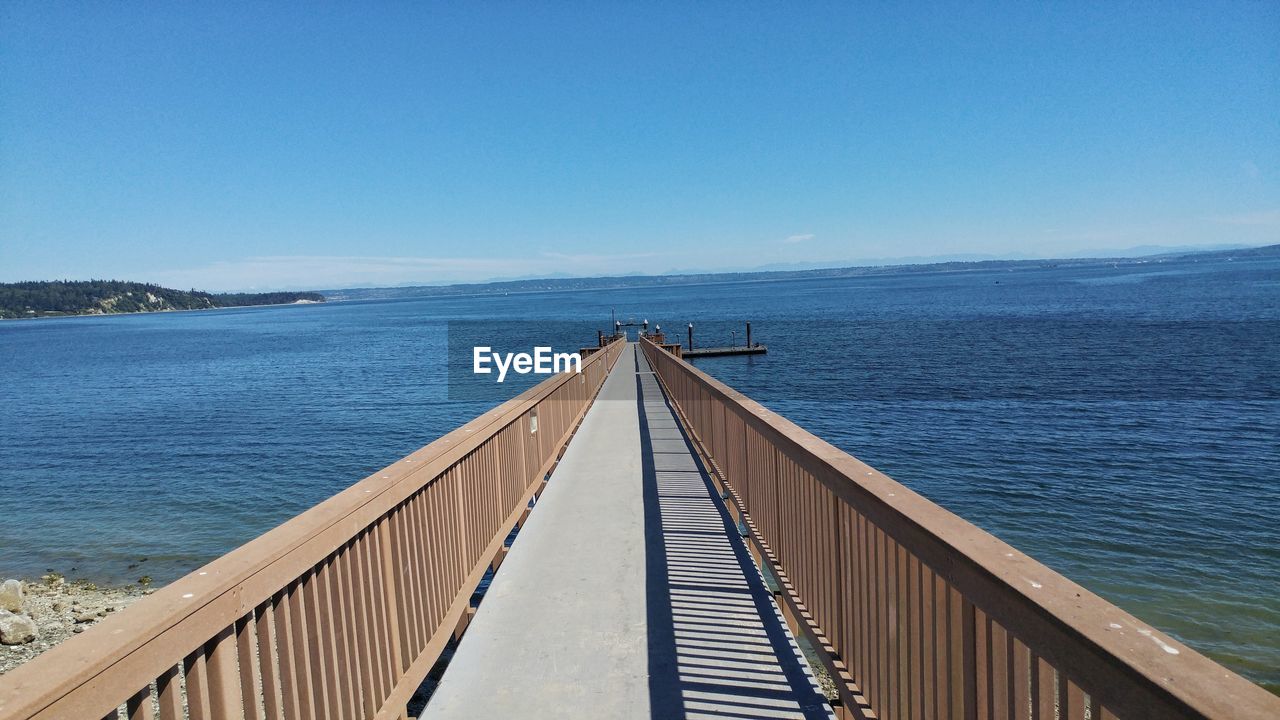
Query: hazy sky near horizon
pixel 285 145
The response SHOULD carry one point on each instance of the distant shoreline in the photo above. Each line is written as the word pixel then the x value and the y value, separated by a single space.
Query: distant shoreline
pixel 83 298
pixel 636 282
pixel 70 316
pixel 639 282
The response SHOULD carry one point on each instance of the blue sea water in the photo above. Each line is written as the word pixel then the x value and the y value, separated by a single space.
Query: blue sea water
pixel 1122 425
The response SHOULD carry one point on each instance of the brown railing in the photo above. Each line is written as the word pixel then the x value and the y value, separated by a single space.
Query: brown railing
pixel 339 612
pixel 920 614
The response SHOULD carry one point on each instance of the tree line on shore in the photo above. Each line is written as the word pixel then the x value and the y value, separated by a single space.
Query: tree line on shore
pixel 102 297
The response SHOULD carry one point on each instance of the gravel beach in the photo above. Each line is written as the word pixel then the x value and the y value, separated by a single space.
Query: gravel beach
pixel 57 609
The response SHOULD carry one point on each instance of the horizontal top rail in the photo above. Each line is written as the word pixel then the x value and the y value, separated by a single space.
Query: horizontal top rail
pixel 808 499
pixel 149 637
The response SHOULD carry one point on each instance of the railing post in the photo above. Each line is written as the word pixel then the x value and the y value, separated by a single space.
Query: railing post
pixel 389 589
pixel 969 658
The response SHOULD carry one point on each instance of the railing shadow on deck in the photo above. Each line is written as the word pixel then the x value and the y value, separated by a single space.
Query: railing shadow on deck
pixel 918 614
pixel 718 647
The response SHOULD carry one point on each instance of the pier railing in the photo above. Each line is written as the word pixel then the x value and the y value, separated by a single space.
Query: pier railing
pixel 341 611
pixel 919 614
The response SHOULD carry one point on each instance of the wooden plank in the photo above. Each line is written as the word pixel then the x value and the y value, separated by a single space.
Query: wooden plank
pixel 1044 689
pixel 320 644
pixel 169 694
pixel 413 573
pixel 340 688
pixel 982 664
pixel 392 598
pixel 369 643
pixel 246 630
pixel 197 685
pixel 1075 707
pixel 968 687
pixel 377 606
pixel 942 624
pixel 928 644
pixel 139 706
pixel 223 676
pixel 915 656
pixel 289 654
pixel 306 676
pixel 880 625
pixel 268 668
pixel 1001 677
pixel 358 650
pixel 1021 674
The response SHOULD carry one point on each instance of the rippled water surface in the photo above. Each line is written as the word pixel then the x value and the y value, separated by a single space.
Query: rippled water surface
pixel 1120 425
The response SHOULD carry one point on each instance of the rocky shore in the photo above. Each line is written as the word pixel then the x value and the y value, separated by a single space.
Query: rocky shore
pixel 37 615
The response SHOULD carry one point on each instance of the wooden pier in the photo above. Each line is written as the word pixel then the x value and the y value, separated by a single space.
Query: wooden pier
pixel 684 545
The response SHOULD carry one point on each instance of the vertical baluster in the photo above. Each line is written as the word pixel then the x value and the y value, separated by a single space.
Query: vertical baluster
pixel 880 621
pixel 982 664
pixel 223 676
pixel 318 644
pixel 1001 677
pixel 375 638
pixel 1074 707
pixel 405 606
pixel 916 647
pixel 193 671
pixel 441 538
pixel 866 613
pixel 350 632
pixel 405 588
pixel 377 611
pixel 250 677
pixel 431 612
pixel 928 646
pixel 392 600
pixel 942 647
pixel 897 641
pixel 1021 674
pixel 339 686
pixel 169 692
pixel 305 675
pixel 139 706
pixel 289 653
pixel 361 638
pixel 1044 689
pixel 964 629
pixel 265 627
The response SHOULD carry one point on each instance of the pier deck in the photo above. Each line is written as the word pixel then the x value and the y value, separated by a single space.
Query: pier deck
pixel 627 594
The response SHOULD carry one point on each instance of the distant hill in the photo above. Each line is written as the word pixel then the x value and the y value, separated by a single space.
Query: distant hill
pixel 632 281
pixel 107 297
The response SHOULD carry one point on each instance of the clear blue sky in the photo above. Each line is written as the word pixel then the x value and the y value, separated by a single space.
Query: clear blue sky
pixel 234 146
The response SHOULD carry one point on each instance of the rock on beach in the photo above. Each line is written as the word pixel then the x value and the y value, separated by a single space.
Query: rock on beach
pixel 11 596
pixel 16 629
pixel 54 610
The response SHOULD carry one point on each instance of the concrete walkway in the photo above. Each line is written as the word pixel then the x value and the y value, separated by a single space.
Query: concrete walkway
pixel 627 594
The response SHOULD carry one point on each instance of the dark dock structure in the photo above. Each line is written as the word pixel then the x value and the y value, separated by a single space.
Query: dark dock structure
pixel 750 348
pixel 756 349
